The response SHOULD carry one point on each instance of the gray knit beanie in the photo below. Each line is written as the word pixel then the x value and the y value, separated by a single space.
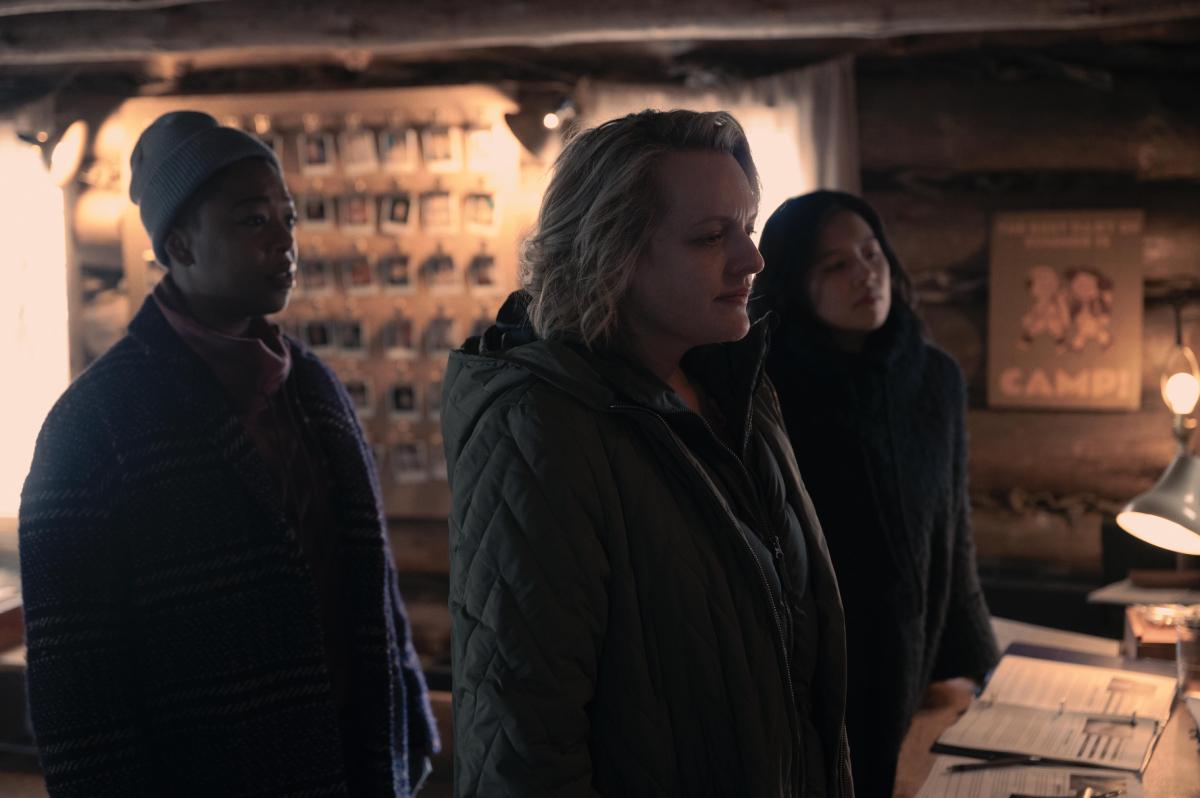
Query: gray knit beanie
pixel 173 158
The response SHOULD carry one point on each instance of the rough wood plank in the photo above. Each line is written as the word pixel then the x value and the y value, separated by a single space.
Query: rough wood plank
pixel 313 28
pixel 13 8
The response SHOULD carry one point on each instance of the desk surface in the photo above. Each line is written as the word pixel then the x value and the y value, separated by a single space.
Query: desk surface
pixel 1173 772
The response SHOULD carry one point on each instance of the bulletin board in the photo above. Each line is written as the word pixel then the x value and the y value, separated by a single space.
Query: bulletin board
pixel 407 236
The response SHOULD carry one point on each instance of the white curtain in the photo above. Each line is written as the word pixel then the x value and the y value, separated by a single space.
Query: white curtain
pixel 802 125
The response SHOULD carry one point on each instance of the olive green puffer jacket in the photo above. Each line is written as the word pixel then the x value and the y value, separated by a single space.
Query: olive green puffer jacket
pixel 614 633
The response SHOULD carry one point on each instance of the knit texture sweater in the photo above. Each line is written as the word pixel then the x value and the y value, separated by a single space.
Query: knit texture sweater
pixel 880 438
pixel 174 643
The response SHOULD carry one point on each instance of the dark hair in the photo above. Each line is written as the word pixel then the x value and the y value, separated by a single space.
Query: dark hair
pixel 789 248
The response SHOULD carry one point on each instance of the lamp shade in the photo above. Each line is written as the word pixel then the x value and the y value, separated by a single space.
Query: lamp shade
pixel 1168 515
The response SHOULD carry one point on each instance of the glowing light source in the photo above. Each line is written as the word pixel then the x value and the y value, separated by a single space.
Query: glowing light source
pixel 33 307
pixel 551 121
pixel 1160 532
pixel 68 153
pixel 1181 380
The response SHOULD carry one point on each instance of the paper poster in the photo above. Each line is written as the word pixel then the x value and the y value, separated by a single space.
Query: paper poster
pixel 1065 310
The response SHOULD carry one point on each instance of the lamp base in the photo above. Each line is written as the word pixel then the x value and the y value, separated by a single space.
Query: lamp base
pixel 1160 578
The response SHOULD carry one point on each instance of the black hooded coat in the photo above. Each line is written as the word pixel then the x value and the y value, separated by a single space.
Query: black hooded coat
pixel 880 438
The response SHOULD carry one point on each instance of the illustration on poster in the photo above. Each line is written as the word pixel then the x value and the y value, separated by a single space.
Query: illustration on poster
pixel 1071 315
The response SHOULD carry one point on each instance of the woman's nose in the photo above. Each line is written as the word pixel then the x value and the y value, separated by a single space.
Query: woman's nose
pixel 746 259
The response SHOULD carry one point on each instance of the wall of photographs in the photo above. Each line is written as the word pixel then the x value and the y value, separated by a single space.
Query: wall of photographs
pixel 407 237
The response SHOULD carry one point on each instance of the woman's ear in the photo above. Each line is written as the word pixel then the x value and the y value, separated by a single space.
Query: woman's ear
pixel 178 245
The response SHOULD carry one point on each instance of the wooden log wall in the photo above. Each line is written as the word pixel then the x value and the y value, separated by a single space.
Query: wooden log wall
pixel 941 152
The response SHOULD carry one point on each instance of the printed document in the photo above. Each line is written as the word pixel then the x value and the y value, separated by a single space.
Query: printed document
pixel 1033 781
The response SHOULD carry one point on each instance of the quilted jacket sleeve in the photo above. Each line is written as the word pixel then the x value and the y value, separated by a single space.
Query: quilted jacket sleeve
pixel 82 670
pixel 968 646
pixel 528 599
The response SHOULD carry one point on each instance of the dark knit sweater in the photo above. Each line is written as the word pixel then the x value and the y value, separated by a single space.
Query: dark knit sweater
pixel 881 442
pixel 171 619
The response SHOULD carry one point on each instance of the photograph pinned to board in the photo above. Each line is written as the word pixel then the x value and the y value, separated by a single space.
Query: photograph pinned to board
pixel 481 151
pixel 395 274
pixel 403 401
pixel 358 276
pixel 409 464
pixel 362 394
pixel 441 146
pixel 397 213
pixel 433 401
pixel 437 459
pixel 316 277
pixel 1065 310
pixel 356 214
pixel 400 338
pixel 441 274
pixel 316 153
pixel 482 323
pixel 439 212
pixel 439 339
pixel 272 140
pixel 482 279
pixel 320 335
pixel 358 152
pixel 481 212
pixel 352 337
pixel 398 150
pixel 316 212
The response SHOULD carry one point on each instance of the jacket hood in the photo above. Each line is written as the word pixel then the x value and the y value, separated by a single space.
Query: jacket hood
pixel 509 357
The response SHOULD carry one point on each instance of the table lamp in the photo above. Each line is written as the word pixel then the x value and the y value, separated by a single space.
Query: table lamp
pixel 1168 515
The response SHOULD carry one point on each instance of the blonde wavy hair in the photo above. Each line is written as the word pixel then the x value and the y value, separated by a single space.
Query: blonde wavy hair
pixel 600 211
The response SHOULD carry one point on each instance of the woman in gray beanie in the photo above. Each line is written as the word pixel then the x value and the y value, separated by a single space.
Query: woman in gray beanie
pixel 211 607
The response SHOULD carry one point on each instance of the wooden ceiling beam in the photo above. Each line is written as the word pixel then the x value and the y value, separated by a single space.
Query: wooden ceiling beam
pixel 291 29
pixel 16 8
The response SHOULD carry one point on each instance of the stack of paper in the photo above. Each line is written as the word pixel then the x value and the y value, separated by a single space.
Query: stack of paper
pixel 1006 781
pixel 1065 712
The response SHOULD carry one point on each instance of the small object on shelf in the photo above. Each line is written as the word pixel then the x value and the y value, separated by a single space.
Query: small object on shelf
pixel 1149 632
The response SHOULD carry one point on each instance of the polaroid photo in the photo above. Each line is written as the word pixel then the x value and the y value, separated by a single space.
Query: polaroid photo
pixel 320 335
pixel 409 465
pixel 358 152
pixel 441 275
pixel 437 460
pixel 403 402
pixel 356 214
pixel 481 325
pixel 433 402
pixel 439 339
pixel 397 213
pixel 442 148
pixel 272 140
pixel 352 337
pixel 480 147
pixel 316 278
pixel 316 151
pixel 395 274
pixel 439 213
pixel 482 279
pixel 398 150
pixel 362 394
pixel 316 212
pixel 481 213
pixel 358 276
pixel 400 338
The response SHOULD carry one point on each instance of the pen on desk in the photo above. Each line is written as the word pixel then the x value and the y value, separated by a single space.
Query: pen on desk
pixel 994 763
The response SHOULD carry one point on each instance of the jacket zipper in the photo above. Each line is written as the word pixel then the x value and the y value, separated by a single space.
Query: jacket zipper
pixel 841 760
pixel 787 668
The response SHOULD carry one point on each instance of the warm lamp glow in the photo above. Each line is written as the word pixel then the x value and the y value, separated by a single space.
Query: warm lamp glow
pixel 33 308
pixel 1160 532
pixel 1181 392
pixel 1181 380
pixel 551 121
pixel 68 153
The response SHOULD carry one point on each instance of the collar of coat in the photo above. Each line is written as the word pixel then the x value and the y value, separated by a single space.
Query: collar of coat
pixel 604 378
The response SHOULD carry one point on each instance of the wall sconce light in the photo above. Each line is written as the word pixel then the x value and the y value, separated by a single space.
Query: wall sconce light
pixel 542 111
pixel 67 154
pixel 1168 515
